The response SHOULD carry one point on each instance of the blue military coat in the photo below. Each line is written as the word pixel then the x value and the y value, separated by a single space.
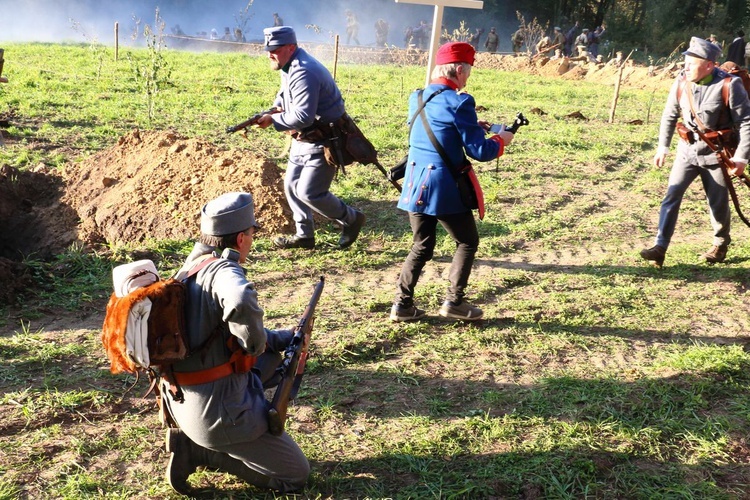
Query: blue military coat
pixel 429 187
pixel 307 91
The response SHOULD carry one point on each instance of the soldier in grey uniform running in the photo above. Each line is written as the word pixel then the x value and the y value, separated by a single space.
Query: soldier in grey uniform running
pixel 308 97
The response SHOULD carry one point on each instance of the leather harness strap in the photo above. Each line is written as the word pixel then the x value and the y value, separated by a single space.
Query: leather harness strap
pixel 240 362
pixel 724 98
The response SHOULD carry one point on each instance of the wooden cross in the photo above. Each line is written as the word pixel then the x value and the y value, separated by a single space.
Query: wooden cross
pixel 437 23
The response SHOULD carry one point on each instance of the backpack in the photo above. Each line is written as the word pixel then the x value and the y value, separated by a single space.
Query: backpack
pixel 144 324
pixel 734 70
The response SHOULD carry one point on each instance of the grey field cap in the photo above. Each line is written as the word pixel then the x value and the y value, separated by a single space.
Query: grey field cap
pixel 703 49
pixel 278 36
pixel 229 213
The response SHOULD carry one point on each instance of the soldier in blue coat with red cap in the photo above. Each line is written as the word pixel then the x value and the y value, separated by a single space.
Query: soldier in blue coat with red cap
pixel 430 193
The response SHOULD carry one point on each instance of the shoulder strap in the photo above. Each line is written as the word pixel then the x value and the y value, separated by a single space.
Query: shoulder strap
pixel 182 274
pixel 725 86
pixel 420 107
pixel 200 265
pixel 725 90
pixel 438 147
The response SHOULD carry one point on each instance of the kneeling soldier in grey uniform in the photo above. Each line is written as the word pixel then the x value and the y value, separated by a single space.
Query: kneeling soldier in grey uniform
pixel 216 395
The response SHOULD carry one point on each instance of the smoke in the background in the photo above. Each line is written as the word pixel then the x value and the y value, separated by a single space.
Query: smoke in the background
pixel 53 20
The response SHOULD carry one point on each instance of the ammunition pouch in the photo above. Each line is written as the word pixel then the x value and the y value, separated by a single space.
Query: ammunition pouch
pixel 466 188
pixel 398 171
pixel 685 133
pixel 314 133
pixel 348 144
pixel 343 142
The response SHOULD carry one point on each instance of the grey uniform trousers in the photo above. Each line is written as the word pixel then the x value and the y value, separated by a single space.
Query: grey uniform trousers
pixel 307 184
pixel 682 175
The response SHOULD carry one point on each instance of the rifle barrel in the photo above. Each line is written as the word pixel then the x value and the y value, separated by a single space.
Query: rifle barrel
pixel 293 363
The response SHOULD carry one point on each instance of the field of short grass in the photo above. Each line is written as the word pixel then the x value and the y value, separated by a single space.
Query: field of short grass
pixel 593 375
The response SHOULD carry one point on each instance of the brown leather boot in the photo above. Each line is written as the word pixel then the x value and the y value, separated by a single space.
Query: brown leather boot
pixel 716 254
pixel 181 463
pixel 654 254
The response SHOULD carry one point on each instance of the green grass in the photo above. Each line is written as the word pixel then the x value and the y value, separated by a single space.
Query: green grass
pixel 593 376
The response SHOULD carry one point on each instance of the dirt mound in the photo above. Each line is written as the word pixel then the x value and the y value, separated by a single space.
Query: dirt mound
pixel 152 184
pixel 149 185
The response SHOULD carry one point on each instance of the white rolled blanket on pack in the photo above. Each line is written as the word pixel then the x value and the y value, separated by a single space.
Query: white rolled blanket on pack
pixel 128 277
pixel 125 279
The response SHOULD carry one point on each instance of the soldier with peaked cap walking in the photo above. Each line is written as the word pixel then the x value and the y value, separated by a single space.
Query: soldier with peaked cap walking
pixel 699 87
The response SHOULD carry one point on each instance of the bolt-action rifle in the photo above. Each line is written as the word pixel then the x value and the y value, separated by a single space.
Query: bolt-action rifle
pixel 250 121
pixel 545 50
pixel 519 122
pixel 293 365
pixel 726 162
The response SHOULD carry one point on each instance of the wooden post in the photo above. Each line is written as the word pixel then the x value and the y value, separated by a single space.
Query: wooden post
pixel 2 62
pixel 117 40
pixel 437 23
pixel 617 88
pixel 617 95
pixel 335 56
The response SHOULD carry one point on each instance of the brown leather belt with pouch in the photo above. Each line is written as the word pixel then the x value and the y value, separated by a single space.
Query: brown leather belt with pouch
pixel 726 137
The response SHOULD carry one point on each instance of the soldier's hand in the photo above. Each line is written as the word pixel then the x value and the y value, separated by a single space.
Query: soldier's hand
pixel 659 159
pixel 506 136
pixel 264 121
pixel 738 170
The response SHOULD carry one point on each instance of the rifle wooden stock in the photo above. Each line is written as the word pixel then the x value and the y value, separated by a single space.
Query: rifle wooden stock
pixel 293 365
pixel 250 121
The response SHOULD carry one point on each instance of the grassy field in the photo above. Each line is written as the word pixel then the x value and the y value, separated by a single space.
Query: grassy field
pixel 593 375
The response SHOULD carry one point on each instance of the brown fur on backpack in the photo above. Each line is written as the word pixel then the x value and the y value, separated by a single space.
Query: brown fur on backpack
pixel 167 340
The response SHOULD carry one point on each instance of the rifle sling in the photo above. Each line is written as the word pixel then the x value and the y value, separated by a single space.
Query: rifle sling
pixel 733 196
pixel 438 147
pixel 420 107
